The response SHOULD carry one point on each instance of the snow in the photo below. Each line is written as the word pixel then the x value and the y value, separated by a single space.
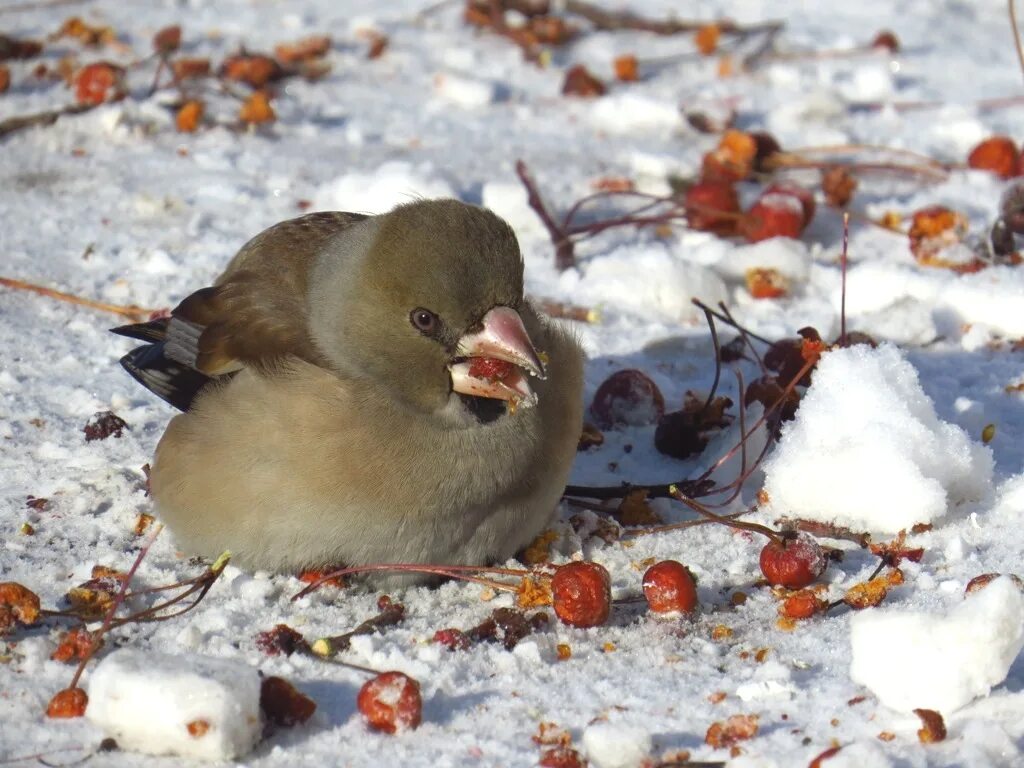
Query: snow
pixel 610 745
pixel 867 426
pixel 916 660
pixel 117 206
pixel 186 705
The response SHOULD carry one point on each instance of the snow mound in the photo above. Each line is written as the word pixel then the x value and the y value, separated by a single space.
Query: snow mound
pixel 164 704
pixel 646 279
pixel 992 297
pixel 380 190
pixel 917 660
pixel 868 451
pixel 467 92
pixel 508 199
pixel 627 113
pixel 613 745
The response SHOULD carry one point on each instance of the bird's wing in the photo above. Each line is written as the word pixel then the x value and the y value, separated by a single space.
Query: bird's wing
pixel 254 315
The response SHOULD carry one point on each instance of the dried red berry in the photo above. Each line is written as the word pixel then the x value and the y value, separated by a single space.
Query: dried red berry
pixel 669 588
pixel 391 702
pixel 627 398
pixel 712 206
pixel 887 40
pixel 582 594
pixel 281 640
pixel 452 639
pixel 792 562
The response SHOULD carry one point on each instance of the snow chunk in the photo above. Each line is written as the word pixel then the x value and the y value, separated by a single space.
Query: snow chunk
pixel 868 451
pixel 647 279
pixel 464 91
pixel 628 113
pixel 614 745
pixel 381 190
pixel 912 660
pixel 789 257
pixel 164 704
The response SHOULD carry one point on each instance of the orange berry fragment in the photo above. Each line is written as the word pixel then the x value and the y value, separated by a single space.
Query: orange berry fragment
pixel 188 117
pixel 627 69
pixel 582 594
pixel 998 154
pixel 802 605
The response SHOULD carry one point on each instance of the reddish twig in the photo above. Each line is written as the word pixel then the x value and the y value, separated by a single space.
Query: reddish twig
pixel 461 572
pixel 131 311
pixel 1011 6
pixel 97 636
pixel 49 117
pixel 390 614
pixel 564 254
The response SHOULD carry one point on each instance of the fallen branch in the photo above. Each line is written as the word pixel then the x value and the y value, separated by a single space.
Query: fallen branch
pixel 20 122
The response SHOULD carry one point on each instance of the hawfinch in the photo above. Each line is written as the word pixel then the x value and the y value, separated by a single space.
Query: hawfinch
pixel 363 389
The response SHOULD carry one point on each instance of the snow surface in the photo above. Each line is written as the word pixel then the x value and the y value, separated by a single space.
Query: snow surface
pixel 187 704
pixel 913 660
pixel 115 205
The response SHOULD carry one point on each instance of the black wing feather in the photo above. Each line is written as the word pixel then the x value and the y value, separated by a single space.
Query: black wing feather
pixel 169 380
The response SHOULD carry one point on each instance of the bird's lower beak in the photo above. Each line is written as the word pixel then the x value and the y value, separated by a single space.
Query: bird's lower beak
pixel 493 361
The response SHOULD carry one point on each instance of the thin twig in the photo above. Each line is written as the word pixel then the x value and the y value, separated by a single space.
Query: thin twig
pixel 49 117
pixel 97 636
pixel 564 255
pixel 1016 33
pixel 131 311
pixel 843 258
pixel 390 615
pixel 611 20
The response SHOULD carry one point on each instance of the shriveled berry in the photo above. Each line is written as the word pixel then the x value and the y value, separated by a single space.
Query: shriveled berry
pixel 580 82
pixel 582 594
pixel 712 206
pixel 391 702
pixel 99 82
pixel 792 562
pixel 452 639
pixel 669 588
pixel 998 154
pixel 627 398
pixel 887 40
pixel 982 581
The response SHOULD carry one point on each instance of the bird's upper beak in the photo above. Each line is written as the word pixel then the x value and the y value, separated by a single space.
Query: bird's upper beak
pixel 493 360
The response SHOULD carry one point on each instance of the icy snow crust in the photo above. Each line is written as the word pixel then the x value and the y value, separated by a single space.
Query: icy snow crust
pixel 104 205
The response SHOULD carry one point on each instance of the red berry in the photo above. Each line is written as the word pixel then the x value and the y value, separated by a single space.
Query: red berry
pixel 712 206
pixel 775 214
pixel 490 368
pixel 669 587
pixel 391 702
pixel 582 594
pixel 792 562
pixel 627 398
pixel 887 40
pixel 803 194
pixel 997 154
pixel 71 702
pixel 99 82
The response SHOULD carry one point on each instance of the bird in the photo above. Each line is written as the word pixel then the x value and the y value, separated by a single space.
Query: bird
pixel 363 389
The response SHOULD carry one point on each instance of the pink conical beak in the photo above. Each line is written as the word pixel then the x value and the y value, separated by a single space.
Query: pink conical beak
pixel 501 337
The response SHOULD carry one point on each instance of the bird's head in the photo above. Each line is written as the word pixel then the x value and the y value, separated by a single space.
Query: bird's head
pixel 426 300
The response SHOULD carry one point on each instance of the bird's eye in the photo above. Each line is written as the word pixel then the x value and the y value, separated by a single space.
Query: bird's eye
pixel 424 320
